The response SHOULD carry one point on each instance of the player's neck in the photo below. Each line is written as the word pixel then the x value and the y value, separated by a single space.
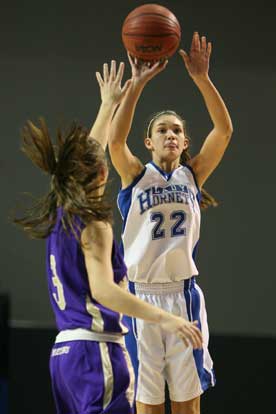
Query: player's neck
pixel 166 165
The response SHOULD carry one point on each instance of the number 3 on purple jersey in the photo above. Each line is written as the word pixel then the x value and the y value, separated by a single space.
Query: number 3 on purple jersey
pixel 59 296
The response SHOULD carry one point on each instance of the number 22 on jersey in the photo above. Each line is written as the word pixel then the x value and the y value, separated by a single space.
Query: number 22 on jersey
pixel 177 219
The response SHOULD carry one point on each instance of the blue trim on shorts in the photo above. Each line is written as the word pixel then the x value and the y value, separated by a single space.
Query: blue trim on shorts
pixel 193 308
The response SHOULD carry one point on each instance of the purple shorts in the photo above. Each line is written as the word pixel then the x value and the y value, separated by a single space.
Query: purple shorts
pixel 90 377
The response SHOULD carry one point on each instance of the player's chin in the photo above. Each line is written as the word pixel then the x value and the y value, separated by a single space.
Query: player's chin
pixel 172 153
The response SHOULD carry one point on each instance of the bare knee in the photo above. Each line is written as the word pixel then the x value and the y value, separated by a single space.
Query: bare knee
pixel 149 409
pixel 186 407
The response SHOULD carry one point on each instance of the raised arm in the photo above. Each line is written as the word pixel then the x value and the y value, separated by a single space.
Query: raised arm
pixel 216 142
pixel 111 94
pixel 97 241
pixel 127 165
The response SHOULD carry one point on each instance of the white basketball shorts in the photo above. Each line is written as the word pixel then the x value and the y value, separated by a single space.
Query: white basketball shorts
pixel 159 356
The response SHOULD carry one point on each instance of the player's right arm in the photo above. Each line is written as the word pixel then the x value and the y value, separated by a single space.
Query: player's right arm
pixel 97 239
pixel 127 165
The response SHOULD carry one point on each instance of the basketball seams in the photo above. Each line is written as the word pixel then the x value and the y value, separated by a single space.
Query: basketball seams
pixel 150 27
pixel 151 35
pixel 173 21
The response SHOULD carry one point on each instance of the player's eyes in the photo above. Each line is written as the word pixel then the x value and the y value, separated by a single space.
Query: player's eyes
pixel 162 130
pixel 177 131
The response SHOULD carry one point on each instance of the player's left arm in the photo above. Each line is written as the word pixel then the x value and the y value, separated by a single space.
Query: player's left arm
pixel 214 146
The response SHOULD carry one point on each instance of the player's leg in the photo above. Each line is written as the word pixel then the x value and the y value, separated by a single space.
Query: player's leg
pixel 188 372
pixel 148 349
pixel 142 408
pixel 150 391
pixel 186 407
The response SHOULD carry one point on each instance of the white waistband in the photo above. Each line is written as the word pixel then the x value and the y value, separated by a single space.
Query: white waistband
pixel 80 334
pixel 160 288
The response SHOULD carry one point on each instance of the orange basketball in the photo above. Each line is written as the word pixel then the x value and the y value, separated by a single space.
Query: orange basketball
pixel 151 32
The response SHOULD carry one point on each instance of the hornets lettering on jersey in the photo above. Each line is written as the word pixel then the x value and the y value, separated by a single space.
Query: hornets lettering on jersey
pixel 154 196
pixel 161 225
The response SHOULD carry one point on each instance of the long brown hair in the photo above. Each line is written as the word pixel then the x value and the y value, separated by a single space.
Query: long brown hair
pixel 206 199
pixel 73 165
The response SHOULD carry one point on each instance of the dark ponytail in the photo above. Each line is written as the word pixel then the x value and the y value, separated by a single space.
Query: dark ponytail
pixel 73 165
pixel 39 219
pixel 206 199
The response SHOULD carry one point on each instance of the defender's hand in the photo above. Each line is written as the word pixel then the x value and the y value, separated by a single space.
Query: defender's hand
pixel 110 83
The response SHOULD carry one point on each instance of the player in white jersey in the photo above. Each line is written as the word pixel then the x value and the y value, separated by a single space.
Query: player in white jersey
pixel 160 205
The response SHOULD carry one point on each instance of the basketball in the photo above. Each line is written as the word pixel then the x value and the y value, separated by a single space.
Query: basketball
pixel 151 32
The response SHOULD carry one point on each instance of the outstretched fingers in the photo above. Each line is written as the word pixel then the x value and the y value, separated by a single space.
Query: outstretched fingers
pixel 162 64
pixel 119 77
pixel 203 44
pixel 120 72
pixel 132 60
pixel 184 55
pixel 209 49
pixel 99 79
pixel 199 44
pixel 111 76
pixel 105 72
pixel 156 67
pixel 195 46
pixel 110 82
pixel 113 70
pixel 206 47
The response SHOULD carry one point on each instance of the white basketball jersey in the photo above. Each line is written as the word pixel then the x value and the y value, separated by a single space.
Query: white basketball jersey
pixel 161 226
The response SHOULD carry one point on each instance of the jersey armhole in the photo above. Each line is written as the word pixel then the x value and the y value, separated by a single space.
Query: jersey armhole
pixel 134 182
pixel 125 194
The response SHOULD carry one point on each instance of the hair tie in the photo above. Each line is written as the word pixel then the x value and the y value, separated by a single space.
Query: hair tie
pixel 157 116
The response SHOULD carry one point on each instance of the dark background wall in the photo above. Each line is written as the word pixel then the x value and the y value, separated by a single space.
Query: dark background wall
pixel 49 54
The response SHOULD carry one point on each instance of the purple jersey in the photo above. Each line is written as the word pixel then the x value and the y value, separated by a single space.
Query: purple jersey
pixel 70 295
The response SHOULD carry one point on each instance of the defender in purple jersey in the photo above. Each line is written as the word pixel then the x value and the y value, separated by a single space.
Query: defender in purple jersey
pixel 89 364
pixel 100 354
pixel 90 368
pixel 70 295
